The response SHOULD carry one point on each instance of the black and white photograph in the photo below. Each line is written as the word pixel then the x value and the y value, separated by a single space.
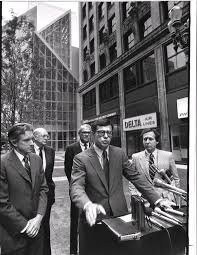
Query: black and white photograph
pixel 98 128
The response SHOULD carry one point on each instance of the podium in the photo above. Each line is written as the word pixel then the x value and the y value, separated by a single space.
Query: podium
pixel 119 236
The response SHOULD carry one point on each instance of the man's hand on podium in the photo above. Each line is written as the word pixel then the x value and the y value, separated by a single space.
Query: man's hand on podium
pixel 91 212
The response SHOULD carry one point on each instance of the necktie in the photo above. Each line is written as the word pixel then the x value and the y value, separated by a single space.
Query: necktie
pixel 152 169
pixel 86 146
pixel 106 166
pixel 40 152
pixel 27 166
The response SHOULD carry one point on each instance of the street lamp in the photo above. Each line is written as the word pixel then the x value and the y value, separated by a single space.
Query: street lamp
pixel 179 35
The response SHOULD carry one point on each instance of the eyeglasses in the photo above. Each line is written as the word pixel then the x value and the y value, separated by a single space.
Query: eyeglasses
pixel 46 136
pixel 85 132
pixel 103 132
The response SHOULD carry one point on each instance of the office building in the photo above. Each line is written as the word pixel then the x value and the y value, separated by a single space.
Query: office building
pixel 130 73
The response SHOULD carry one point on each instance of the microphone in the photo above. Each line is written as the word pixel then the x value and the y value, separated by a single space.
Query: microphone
pixel 156 223
pixel 175 212
pixel 159 183
pixel 148 211
pixel 159 211
pixel 163 174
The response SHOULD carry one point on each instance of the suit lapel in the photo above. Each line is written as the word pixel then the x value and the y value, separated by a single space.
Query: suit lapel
pixel 78 148
pixel 97 166
pixel 145 165
pixel 33 169
pixel 16 164
pixel 112 166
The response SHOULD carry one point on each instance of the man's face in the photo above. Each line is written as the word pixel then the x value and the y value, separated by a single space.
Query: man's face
pixel 23 145
pixel 41 138
pixel 85 134
pixel 149 141
pixel 103 136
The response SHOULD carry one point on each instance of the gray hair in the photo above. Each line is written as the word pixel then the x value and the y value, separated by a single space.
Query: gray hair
pixel 83 126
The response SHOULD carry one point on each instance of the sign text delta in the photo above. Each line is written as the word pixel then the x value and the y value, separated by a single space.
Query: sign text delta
pixel 140 122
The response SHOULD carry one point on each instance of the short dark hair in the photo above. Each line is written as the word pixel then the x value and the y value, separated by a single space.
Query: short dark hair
pixel 18 129
pixel 100 122
pixel 154 130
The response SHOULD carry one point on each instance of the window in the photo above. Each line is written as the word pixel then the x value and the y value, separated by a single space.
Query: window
pixel 84 32
pixel 101 35
pixel 102 61
pixel 130 78
pixel 84 53
pixel 89 5
pixel 84 11
pixel 91 24
pixel 174 60
pixel 109 4
pixel 126 7
pixel 101 10
pixel 92 69
pixel 91 46
pixel 113 52
pixel 85 75
pixel 148 69
pixel 112 24
pixel 146 27
pixel 128 40
pixel 89 99
pixel 109 89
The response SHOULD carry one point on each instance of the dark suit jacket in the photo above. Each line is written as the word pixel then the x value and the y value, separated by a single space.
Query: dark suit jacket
pixel 20 199
pixel 50 158
pixel 72 150
pixel 88 181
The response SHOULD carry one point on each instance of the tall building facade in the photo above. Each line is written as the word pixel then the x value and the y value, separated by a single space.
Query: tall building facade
pixel 130 73
pixel 57 84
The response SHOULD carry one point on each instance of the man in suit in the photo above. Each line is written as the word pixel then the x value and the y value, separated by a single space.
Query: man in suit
pixel 84 133
pixel 163 160
pixel 97 188
pixel 47 155
pixel 23 198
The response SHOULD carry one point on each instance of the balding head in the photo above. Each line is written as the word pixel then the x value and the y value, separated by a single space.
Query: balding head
pixel 84 133
pixel 41 136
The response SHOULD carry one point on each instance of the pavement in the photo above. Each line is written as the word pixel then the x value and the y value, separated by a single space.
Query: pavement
pixel 60 214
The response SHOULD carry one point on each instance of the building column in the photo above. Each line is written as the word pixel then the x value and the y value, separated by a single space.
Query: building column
pixel 96 37
pixel 155 14
pixel 79 108
pixel 97 100
pixel 118 29
pixel 122 109
pixel 162 99
pixel 80 47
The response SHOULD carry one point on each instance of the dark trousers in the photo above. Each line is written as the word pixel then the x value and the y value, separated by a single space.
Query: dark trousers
pixel 34 246
pixel 74 217
pixel 46 227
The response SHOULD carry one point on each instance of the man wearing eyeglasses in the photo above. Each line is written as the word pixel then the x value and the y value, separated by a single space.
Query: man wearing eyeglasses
pixel 47 154
pixel 97 188
pixel 73 149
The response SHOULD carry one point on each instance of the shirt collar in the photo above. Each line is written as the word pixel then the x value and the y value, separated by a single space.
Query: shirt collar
pixel 99 152
pixel 154 153
pixel 83 144
pixel 20 156
pixel 37 148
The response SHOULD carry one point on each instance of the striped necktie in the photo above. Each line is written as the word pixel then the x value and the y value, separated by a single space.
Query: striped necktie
pixel 27 166
pixel 152 169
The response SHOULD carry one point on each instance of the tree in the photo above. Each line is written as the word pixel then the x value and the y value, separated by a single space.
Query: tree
pixel 20 72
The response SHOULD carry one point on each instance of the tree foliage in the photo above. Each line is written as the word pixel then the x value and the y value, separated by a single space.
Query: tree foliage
pixel 19 71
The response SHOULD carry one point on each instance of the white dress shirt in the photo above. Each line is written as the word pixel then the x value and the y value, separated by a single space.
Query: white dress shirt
pixel 20 156
pixel 37 150
pixel 83 146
